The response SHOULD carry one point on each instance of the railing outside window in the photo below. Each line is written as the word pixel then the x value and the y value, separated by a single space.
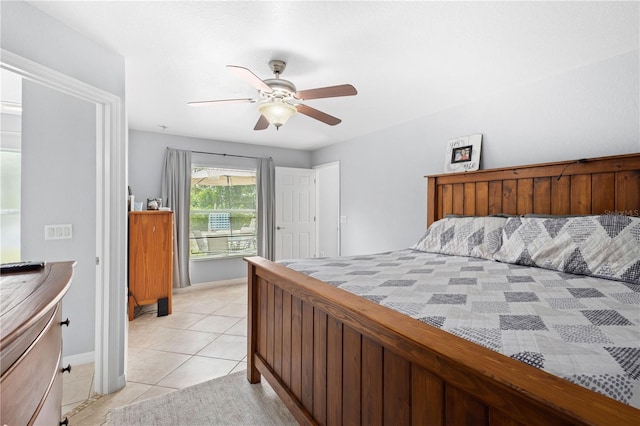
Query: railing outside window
pixel 223 213
pixel 236 239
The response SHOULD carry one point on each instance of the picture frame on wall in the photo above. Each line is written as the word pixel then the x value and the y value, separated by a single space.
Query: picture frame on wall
pixel 463 154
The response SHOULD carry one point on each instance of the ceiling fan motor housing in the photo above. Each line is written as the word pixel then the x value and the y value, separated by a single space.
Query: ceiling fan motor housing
pixel 282 89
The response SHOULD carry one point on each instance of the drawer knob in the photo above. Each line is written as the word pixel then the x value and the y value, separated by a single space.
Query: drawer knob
pixel 66 369
pixel 65 422
pixel 65 322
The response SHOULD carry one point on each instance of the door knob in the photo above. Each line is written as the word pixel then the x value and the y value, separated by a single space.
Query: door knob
pixel 280 227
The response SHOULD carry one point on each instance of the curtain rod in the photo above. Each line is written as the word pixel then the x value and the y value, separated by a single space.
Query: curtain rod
pixel 226 155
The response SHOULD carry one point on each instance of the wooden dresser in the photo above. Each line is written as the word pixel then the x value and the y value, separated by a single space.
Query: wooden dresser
pixel 31 344
pixel 150 259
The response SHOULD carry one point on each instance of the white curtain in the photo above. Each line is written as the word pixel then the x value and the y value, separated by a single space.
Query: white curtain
pixel 265 188
pixel 176 193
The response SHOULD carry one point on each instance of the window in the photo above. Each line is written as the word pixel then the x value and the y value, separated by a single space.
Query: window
pixel 223 213
pixel 10 165
pixel 10 206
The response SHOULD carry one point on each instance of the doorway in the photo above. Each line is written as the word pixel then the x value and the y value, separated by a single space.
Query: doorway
pixel 55 124
pixel 308 212
pixel 110 215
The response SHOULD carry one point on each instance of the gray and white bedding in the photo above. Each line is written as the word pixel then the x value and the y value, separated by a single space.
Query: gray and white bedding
pixel 578 327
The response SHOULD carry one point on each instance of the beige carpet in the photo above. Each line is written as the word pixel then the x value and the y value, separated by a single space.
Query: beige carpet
pixel 228 400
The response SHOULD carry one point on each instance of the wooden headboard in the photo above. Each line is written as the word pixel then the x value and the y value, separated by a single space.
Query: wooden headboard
pixel 605 185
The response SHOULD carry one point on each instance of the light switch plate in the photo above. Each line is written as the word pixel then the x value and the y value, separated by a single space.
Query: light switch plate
pixel 58 232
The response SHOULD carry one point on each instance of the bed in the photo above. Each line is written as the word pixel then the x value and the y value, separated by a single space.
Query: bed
pixel 334 357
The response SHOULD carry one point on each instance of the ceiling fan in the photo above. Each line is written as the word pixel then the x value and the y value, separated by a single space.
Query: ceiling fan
pixel 279 98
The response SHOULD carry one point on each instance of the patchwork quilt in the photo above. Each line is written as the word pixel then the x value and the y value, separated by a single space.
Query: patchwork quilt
pixel 581 328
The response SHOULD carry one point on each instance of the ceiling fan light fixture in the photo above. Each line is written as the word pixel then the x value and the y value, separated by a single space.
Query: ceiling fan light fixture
pixel 277 113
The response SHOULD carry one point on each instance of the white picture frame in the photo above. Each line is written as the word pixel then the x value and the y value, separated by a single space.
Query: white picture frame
pixel 463 154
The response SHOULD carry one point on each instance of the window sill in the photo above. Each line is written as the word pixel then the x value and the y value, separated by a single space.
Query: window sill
pixel 208 258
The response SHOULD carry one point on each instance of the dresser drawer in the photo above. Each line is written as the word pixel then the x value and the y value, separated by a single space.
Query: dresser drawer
pixel 22 342
pixel 26 385
pixel 50 412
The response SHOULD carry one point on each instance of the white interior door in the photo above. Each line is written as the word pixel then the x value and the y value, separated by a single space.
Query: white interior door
pixel 295 213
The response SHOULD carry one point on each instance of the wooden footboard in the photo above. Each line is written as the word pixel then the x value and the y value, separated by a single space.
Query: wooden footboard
pixel 336 358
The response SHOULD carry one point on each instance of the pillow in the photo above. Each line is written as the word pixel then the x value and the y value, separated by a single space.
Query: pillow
pixel 463 236
pixel 554 216
pixel 606 246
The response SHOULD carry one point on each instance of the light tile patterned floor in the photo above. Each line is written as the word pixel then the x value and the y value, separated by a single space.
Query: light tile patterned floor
pixel 204 338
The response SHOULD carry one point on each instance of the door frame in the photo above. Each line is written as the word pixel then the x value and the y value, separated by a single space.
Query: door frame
pixel 111 158
pixel 332 165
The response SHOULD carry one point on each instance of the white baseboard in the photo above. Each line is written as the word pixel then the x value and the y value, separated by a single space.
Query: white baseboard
pixel 213 284
pixel 79 359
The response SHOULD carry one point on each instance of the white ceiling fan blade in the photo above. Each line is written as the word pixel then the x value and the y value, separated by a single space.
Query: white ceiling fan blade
pixel 221 101
pixel 250 78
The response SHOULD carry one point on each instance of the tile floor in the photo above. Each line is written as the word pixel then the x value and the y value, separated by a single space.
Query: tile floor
pixel 203 338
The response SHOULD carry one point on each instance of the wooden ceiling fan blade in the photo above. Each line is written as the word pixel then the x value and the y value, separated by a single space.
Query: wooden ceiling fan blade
pixel 327 92
pixel 318 115
pixel 250 78
pixel 262 123
pixel 221 101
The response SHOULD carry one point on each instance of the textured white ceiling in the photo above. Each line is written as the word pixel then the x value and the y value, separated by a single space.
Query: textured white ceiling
pixel 406 59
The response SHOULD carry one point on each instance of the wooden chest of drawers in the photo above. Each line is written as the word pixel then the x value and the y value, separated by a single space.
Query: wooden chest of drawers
pixel 150 258
pixel 31 344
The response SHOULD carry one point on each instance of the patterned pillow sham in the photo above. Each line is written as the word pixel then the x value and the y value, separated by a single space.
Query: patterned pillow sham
pixel 606 246
pixel 463 236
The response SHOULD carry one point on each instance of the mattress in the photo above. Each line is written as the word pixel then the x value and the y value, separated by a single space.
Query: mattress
pixel 580 328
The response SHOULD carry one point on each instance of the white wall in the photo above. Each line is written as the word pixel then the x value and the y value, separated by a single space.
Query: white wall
pixel 27 32
pixel 59 187
pixel 587 112
pixel 146 157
